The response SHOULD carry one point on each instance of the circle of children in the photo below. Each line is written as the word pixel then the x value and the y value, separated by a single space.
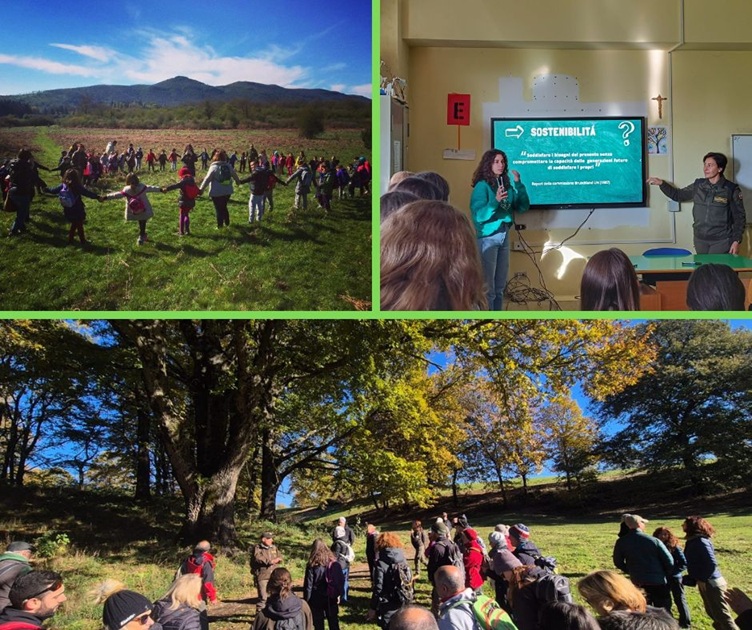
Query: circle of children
pixel 529 592
pixel 79 169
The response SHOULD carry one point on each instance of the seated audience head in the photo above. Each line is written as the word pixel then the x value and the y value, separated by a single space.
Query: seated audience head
pixel 607 591
pixel 437 180
pixel 394 200
pixel 430 260
pixel 565 616
pixel 39 593
pixel 714 287
pixel 609 283
pixel 398 177
pixel 413 617
pixel 419 187
pixel 651 619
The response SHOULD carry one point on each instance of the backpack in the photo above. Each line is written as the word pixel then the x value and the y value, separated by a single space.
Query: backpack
pixel 548 563
pixel 402 581
pixel 294 623
pixel 191 191
pixel 488 614
pixel 335 580
pixel 453 555
pixel 306 177
pixel 67 197
pixel 224 174
pixel 551 587
pixel 21 175
pixel 135 203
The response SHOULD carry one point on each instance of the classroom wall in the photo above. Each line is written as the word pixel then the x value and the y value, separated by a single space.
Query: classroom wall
pixel 621 59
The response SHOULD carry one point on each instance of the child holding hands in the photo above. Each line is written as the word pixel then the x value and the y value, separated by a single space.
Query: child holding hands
pixel 70 191
pixel 187 199
pixel 137 205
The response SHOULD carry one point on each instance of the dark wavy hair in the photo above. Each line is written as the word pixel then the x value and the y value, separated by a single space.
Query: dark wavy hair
pixel 698 526
pixel 609 283
pixel 667 537
pixel 483 172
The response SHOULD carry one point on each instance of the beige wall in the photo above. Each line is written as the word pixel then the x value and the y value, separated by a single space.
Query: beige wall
pixel 616 56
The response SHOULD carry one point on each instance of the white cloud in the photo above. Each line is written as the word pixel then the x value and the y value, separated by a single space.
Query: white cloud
pixel 100 53
pixel 46 65
pixel 361 90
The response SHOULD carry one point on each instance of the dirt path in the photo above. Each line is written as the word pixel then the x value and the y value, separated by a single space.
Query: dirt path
pixel 237 614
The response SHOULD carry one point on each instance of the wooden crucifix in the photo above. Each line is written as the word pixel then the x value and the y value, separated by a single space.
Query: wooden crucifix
pixel 660 100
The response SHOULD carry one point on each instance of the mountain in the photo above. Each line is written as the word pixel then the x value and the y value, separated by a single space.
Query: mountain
pixel 176 91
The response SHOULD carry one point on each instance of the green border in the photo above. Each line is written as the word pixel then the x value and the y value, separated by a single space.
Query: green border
pixel 375 154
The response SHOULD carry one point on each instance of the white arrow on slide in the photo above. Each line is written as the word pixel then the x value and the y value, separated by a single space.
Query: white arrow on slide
pixel 515 132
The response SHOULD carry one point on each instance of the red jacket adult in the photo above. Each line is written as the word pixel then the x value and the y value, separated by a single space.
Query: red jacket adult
pixel 472 556
pixel 203 563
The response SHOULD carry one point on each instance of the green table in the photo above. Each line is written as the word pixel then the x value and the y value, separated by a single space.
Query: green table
pixel 670 275
pixel 685 264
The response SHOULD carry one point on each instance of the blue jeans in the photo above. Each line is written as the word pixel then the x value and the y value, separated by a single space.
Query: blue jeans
pixel 494 256
pixel 256 207
pixel 346 573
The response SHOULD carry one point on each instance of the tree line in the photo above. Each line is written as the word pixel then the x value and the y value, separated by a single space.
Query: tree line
pixel 222 412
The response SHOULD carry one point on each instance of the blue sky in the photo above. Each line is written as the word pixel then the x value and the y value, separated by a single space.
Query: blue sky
pixel 297 44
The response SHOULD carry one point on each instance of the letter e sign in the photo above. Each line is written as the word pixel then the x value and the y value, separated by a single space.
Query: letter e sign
pixel 458 109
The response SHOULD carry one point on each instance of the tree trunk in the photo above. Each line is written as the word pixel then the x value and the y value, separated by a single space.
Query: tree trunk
pixel 210 512
pixel 143 465
pixel 270 479
pixel 524 484
pixel 455 498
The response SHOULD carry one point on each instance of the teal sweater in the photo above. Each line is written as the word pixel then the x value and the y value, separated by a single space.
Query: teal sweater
pixel 488 214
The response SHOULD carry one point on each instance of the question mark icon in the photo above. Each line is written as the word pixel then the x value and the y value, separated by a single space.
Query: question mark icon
pixel 628 127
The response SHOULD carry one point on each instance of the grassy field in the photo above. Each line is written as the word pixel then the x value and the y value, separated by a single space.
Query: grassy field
pixel 112 537
pixel 292 261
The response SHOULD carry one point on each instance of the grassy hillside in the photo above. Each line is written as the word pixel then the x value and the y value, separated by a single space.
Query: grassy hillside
pixel 112 536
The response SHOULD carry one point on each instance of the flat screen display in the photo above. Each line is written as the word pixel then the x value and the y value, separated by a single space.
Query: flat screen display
pixel 577 162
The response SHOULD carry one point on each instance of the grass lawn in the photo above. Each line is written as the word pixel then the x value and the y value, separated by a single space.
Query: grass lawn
pixel 293 261
pixel 116 538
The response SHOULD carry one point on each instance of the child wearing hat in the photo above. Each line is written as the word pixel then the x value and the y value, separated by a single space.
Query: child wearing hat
pixel 187 199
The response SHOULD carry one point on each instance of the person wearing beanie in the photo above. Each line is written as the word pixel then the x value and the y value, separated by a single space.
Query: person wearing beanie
pixel 264 560
pixel 124 609
pixel 202 563
pixel 283 605
pixel 14 562
pixel 472 556
pixel 503 563
pixel 34 597
pixel 523 548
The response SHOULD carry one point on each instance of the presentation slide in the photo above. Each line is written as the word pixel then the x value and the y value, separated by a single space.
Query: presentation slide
pixel 576 162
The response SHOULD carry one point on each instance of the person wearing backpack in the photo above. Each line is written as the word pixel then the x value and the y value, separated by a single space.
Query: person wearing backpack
pixel 202 563
pixel 503 563
pixel 219 180
pixel 283 610
pixel 187 199
pixel 70 191
pixel 323 585
pixel 264 560
pixel 305 177
pixel 392 580
pixel 345 555
pixel 461 608
pixel 442 552
pixel 34 597
pixel 137 205
pixel 325 189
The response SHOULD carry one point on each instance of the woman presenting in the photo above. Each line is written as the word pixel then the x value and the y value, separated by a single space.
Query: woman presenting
pixel 492 205
pixel 718 211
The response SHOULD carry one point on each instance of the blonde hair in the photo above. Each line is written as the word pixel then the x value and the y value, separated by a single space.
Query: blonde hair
pixel 430 260
pixel 185 590
pixel 607 591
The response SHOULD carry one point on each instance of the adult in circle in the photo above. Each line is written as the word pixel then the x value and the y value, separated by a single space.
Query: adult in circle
pixel 718 211
pixel 219 180
pixel 492 204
